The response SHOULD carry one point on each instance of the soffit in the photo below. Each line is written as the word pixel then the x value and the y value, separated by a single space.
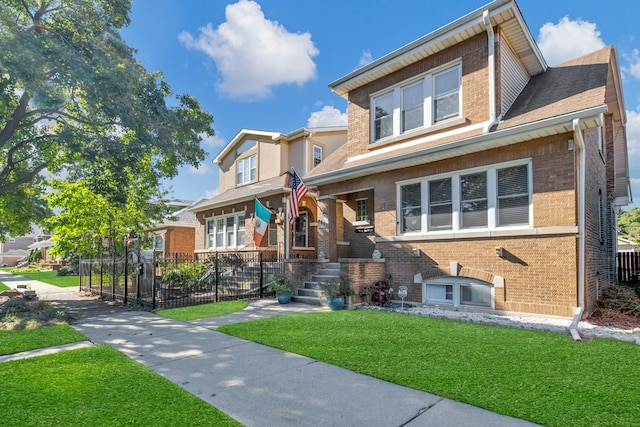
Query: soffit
pixel 501 13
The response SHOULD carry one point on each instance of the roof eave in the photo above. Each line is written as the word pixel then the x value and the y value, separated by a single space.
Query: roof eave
pixel 589 118
pixel 463 28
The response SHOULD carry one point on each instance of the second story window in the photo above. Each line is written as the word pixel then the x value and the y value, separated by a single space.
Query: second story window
pixel 317 155
pixel 420 103
pixel 246 170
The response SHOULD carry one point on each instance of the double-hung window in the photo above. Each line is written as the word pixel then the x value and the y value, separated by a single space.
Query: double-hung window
pixel 362 210
pixel 473 200
pixel 246 170
pixel 420 103
pixel 498 196
pixel 446 94
pixel 226 232
pixel 383 116
pixel 317 155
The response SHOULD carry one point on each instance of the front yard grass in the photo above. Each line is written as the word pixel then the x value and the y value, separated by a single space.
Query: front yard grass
pixel 52 278
pixel 97 386
pixel 15 341
pixel 185 314
pixel 539 376
pixel 4 287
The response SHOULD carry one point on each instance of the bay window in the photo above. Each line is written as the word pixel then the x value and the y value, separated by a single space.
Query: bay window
pixel 423 102
pixel 498 196
pixel 226 231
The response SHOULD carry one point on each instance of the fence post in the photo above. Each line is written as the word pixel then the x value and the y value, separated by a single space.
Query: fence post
pixel 153 283
pixel 113 278
pixel 126 273
pixel 261 279
pixel 217 272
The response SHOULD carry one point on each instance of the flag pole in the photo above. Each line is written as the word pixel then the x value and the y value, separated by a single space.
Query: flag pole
pixel 286 232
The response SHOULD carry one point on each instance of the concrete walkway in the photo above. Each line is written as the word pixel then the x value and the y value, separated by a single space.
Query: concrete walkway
pixel 261 386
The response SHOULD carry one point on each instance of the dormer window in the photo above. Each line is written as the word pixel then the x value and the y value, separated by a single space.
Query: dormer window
pixel 246 170
pixel 420 103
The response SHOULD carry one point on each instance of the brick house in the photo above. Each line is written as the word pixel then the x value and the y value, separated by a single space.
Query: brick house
pixel 484 177
pixel 258 164
pixel 176 233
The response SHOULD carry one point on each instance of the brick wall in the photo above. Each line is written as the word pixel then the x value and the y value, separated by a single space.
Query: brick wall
pixel 473 53
pixel 179 240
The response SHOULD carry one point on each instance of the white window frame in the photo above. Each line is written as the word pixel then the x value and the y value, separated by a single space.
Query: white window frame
pixel 457 283
pixel 241 176
pixel 456 215
pixel 158 243
pixel 218 238
pixel 363 202
pixel 317 155
pixel 428 107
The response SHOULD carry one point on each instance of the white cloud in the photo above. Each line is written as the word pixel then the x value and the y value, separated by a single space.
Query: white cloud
pixel 327 117
pixel 209 194
pixel 633 132
pixel 253 53
pixel 568 40
pixel 214 141
pixel 203 169
pixel 365 58
pixel 634 64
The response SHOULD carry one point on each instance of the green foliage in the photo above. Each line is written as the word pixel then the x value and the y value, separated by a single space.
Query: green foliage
pixel 98 386
pixel 338 287
pixel 73 98
pixel 186 314
pixel 629 224
pixel 280 283
pixel 621 300
pixel 14 341
pixel 51 277
pixel 35 256
pixel 539 376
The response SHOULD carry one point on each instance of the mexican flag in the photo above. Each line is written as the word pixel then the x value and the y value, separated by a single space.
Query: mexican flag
pixel 260 222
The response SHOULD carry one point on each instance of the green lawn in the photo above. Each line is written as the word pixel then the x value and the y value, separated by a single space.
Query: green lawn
pixel 15 341
pixel 543 377
pixel 202 311
pixel 52 278
pixel 97 386
pixel 3 287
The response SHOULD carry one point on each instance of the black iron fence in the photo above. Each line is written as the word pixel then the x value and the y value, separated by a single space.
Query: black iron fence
pixel 141 278
pixel 628 264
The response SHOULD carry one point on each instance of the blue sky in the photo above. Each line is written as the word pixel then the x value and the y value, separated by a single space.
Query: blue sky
pixel 266 64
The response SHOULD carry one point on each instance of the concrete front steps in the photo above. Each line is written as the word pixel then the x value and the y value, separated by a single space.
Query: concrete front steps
pixel 311 292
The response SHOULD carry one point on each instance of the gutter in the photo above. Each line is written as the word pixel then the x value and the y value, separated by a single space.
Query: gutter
pixel 482 142
pixel 581 210
pixel 486 20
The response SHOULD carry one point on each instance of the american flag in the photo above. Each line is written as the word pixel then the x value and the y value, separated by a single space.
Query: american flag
pixel 298 190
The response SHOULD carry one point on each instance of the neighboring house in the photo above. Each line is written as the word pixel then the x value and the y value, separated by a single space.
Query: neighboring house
pixel 176 233
pixel 260 164
pixel 483 177
pixel 627 245
pixel 15 248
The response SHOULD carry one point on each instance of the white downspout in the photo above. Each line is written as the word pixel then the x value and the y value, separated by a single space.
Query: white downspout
pixel 492 69
pixel 581 211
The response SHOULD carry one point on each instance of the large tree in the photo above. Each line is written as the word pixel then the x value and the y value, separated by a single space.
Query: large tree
pixel 629 224
pixel 74 102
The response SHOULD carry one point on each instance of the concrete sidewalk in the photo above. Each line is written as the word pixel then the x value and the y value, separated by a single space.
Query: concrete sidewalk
pixel 262 386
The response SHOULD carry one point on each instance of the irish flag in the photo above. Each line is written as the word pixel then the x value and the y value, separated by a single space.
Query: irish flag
pixel 260 222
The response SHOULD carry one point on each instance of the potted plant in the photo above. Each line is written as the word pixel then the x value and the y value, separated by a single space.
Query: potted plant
pixel 280 284
pixel 336 290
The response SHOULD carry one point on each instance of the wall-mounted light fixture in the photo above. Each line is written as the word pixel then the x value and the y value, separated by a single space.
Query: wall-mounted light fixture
pixel 415 252
pixel 500 251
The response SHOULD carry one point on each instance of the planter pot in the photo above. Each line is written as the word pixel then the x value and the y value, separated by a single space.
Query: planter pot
pixel 283 297
pixel 336 303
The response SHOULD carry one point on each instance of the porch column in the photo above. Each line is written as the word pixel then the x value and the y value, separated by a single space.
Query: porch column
pixel 327 228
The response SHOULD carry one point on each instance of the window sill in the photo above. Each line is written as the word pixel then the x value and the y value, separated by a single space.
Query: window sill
pixel 417 132
pixel 361 223
pixel 514 232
